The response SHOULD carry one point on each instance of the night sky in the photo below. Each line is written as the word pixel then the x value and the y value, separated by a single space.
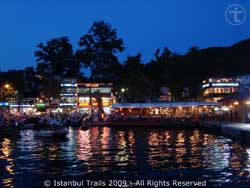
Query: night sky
pixel 144 25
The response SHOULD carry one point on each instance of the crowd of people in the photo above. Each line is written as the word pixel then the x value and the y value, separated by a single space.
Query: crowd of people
pixel 48 118
pixel 76 118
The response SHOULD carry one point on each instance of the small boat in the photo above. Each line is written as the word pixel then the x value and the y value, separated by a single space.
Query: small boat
pixel 84 126
pixel 61 132
pixel 44 133
pixel 26 126
pixel 52 133
pixel 97 123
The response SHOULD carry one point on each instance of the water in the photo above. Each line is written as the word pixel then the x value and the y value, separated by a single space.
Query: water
pixel 124 153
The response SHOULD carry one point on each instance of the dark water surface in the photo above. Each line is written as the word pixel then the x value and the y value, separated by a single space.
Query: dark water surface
pixel 124 153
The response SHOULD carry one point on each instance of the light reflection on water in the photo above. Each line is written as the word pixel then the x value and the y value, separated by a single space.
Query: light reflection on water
pixel 124 152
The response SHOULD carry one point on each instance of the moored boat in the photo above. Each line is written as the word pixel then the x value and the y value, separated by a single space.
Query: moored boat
pixel 26 126
pixel 98 123
pixel 52 133
pixel 84 126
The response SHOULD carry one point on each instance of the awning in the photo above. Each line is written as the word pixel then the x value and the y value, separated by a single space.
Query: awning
pixel 165 104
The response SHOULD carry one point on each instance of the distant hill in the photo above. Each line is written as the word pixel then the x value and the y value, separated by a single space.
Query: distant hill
pixel 231 60
pixel 222 61
pixel 190 69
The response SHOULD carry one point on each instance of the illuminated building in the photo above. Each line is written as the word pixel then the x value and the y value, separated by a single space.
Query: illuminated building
pixel 68 93
pixel 215 89
pixel 26 105
pixel 84 97
pixel 166 109
pixel 238 107
pixel 234 93
pixel 89 93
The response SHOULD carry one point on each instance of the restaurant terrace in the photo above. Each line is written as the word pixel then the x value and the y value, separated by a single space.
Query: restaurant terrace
pixel 168 109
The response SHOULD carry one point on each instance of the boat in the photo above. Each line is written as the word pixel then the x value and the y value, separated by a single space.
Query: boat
pixel 52 133
pixel 84 126
pixel 26 126
pixel 26 123
pixel 44 133
pixel 98 123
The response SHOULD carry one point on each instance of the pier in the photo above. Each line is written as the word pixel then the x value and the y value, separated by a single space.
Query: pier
pixel 238 131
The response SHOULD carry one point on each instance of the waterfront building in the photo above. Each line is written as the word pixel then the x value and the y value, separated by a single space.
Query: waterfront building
pixel 86 97
pixel 68 93
pixel 238 107
pixel 215 89
pixel 24 106
pixel 167 109
pixel 90 95
pixel 244 81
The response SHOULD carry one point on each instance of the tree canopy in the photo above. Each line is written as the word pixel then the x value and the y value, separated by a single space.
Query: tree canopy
pixel 99 50
pixel 56 60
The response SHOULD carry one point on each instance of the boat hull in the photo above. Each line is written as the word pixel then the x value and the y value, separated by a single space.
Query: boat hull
pixel 57 133
pixel 26 127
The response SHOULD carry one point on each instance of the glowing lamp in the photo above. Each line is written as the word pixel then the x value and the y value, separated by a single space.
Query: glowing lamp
pixel 236 103
pixel 7 86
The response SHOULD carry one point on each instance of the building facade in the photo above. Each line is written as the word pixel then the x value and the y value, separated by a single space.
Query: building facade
pixel 166 109
pixel 86 97
pixel 68 93
pixel 91 94
pixel 215 89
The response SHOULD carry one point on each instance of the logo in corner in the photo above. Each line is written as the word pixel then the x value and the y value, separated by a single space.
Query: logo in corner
pixel 235 14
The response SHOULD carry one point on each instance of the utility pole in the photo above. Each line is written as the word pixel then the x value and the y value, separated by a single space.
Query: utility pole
pixel 122 90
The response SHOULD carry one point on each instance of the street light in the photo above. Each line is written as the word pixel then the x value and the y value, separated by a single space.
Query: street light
pixel 123 90
pixel 5 86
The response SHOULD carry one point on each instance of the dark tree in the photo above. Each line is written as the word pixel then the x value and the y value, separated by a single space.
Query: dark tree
pixel 56 60
pixel 193 50
pixel 157 70
pixel 135 79
pixel 98 49
pixel 164 57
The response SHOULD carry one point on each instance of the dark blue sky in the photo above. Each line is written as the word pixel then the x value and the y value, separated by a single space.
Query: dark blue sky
pixel 145 25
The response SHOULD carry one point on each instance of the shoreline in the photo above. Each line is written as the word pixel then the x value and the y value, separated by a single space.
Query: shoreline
pixel 236 131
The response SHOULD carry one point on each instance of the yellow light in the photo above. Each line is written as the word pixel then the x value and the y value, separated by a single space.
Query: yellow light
pixel 247 102
pixel 85 104
pixel 236 103
pixel 7 86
